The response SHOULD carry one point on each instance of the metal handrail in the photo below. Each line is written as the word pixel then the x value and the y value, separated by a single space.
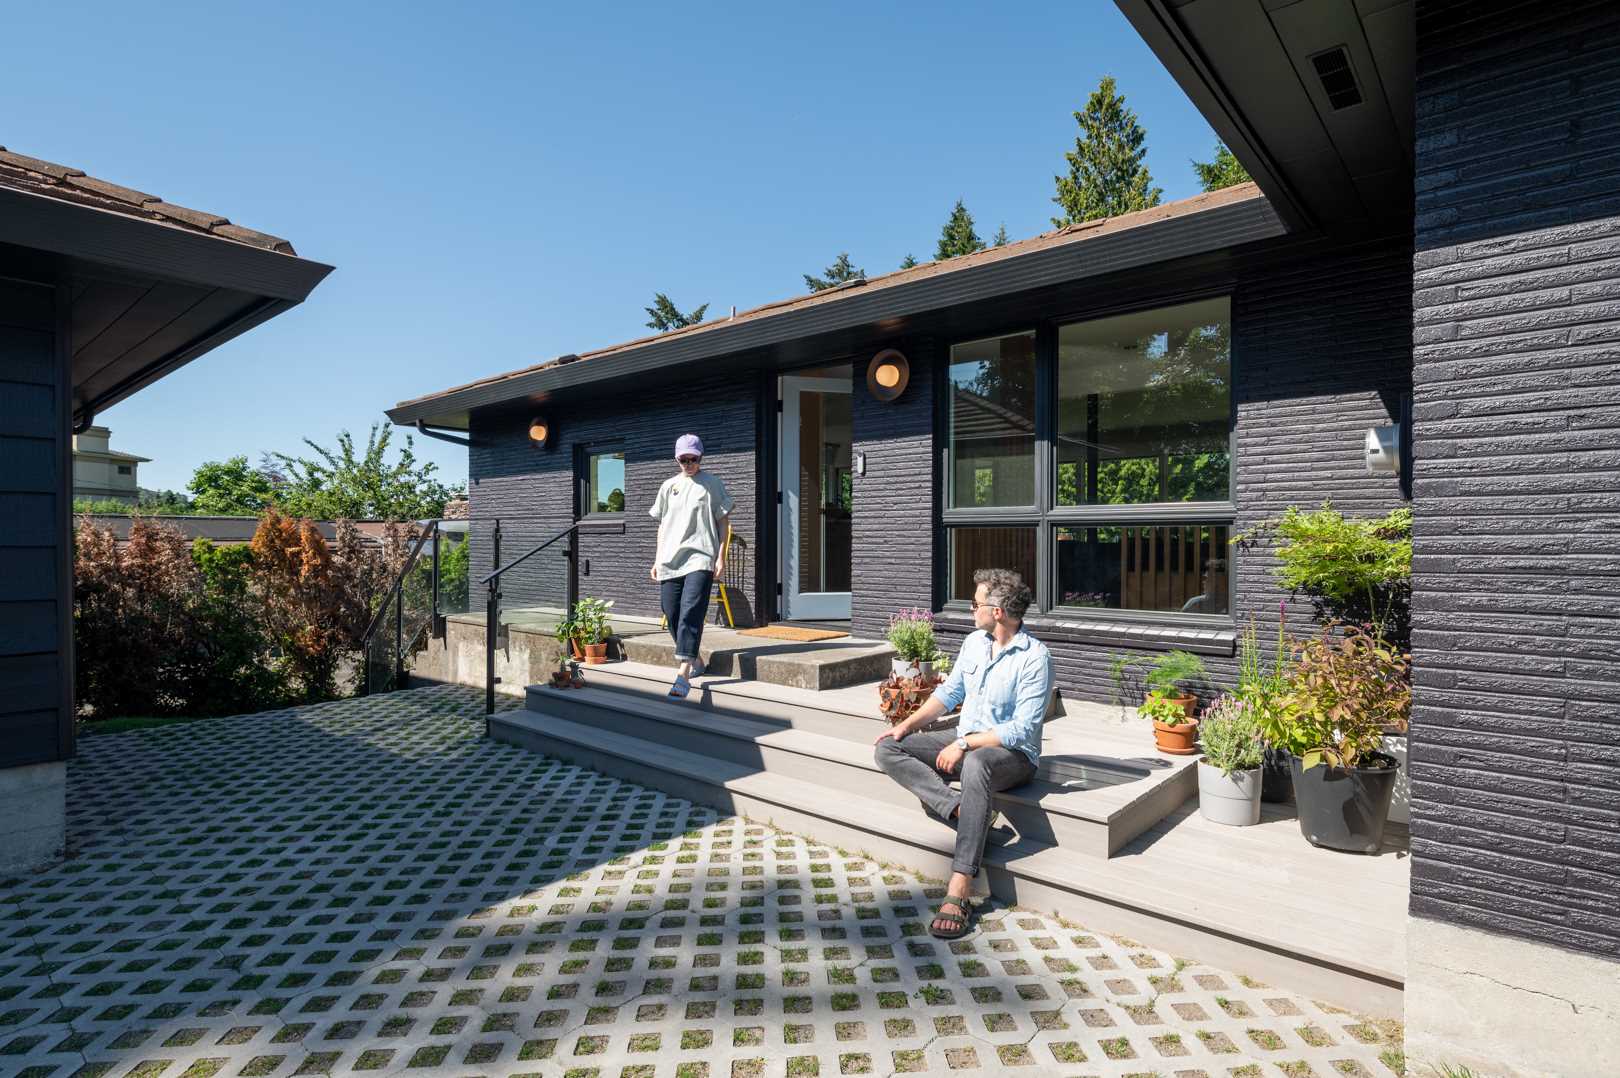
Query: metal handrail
pixel 492 604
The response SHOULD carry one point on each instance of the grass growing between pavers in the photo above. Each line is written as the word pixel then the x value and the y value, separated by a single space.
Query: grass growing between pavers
pixel 372 886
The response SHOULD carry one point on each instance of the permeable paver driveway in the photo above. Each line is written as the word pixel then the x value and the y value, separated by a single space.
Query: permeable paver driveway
pixel 370 886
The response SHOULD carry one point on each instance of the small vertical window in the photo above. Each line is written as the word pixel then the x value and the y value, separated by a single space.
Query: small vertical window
pixel 604 481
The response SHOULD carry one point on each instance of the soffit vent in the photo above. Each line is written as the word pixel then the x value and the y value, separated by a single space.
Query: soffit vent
pixel 1338 77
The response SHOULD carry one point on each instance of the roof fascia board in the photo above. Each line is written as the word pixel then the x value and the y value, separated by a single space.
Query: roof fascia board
pixel 1249 221
pixel 151 248
pixel 1161 32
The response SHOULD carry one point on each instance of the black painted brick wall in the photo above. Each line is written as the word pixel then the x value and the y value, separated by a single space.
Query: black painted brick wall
pixel 894 502
pixel 1516 769
pixel 31 534
pixel 531 490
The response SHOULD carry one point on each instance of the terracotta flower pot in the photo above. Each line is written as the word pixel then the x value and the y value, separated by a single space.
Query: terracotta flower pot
pixel 1181 740
pixel 573 649
pixel 596 654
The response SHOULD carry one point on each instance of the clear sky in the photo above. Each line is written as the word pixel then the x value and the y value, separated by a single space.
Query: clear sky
pixel 501 183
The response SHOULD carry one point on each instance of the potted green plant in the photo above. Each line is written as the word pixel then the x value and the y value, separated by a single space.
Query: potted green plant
pixel 591 628
pixel 1261 686
pixel 911 634
pixel 1229 770
pixel 1346 687
pixel 1170 675
pixel 567 634
pixel 1175 732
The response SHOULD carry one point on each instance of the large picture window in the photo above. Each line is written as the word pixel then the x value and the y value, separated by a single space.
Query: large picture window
pixel 1096 455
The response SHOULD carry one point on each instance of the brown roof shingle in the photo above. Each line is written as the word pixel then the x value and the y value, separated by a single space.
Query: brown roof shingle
pixel 1078 233
pixel 35 176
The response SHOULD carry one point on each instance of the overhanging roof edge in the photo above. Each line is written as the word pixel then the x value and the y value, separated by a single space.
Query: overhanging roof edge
pixel 1249 221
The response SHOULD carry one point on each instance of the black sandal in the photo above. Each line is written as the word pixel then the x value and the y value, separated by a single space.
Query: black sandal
pixel 959 922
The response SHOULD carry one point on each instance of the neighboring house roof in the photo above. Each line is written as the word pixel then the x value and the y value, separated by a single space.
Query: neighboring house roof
pixel 70 184
pixel 109 454
pixel 1204 222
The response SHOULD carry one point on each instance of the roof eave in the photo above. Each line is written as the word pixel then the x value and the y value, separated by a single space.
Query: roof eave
pixel 153 248
pixel 1250 220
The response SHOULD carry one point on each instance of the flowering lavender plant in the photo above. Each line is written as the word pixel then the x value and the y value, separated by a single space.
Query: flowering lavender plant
pixel 1231 736
pixel 911 632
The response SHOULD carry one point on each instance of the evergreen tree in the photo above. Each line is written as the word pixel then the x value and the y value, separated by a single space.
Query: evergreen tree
pixel 958 237
pixel 1224 171
pixel 908 263
pixel 666 316
pixel 1107 176
pixel 840 271
pixel 1001 236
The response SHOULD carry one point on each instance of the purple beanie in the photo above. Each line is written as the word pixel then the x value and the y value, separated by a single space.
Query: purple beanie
pixel 688 445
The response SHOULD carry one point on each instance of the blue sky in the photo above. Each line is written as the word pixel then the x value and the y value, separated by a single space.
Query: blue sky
pixel 500 183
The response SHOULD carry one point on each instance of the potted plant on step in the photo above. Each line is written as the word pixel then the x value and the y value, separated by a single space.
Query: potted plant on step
pixel 567 675
pixel 1229 771
pixel 591 628
pixel 911 634
pixel 1346 687
pixel 1175 732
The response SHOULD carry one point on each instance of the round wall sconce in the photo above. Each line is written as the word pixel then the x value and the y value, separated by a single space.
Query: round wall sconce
pixel 539 431
pixel 887 375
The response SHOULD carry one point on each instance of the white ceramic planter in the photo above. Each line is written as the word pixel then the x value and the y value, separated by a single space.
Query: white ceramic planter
pixel 906 668
pixel 1233 800
pixel 1400 806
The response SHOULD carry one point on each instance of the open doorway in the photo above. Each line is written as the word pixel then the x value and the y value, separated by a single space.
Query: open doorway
pixel 817 493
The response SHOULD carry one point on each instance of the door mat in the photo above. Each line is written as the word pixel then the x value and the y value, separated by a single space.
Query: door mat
pixel 792 632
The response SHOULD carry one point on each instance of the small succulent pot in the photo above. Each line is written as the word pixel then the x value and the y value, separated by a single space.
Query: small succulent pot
pixel 1232 799
pixel 1178 740
pixel 596 654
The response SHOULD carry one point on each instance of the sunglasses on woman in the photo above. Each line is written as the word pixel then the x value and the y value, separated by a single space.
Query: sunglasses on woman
pixel 687 460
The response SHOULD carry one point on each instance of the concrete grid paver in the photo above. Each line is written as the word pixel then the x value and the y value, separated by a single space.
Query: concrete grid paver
pixel 371 887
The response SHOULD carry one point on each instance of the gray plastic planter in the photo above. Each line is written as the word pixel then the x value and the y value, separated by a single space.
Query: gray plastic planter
pixel 1232 800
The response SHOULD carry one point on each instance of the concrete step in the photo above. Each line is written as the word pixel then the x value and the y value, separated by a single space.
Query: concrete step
pixel 1197 911
pixel 825 664
pixel 1094 817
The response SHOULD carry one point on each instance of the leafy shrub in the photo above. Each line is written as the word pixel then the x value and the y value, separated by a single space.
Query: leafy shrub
pixel 163 627
pixel 1345 689
pixel 911 633
pixel 1231 736
pixel 1353 570
pixel 1172 673
pixel 591 620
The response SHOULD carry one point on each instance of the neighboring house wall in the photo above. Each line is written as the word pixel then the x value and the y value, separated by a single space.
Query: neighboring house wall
pixel 35 619
pixel 100 473
pixel 1515 770
pixel 531 490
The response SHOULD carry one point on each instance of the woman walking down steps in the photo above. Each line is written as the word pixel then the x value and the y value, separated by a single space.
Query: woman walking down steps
pixel 691 509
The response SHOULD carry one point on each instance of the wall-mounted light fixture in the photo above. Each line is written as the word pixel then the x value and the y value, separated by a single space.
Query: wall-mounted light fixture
pixel 887 375
pixel 1384 450
pixel 540 431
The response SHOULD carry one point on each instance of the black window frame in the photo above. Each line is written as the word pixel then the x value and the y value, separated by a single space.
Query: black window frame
pixel 582 479
pixel 1046 516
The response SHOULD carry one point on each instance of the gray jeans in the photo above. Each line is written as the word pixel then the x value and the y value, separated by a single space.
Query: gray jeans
pixel 984 772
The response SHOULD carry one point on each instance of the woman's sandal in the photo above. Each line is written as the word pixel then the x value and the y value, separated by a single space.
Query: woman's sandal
pixel 959 922
pixel 681 687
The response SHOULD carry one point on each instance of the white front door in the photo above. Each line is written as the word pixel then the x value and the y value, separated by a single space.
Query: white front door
pixel 816 498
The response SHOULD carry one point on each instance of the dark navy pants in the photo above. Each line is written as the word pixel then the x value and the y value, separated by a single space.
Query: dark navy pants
pixel 685 601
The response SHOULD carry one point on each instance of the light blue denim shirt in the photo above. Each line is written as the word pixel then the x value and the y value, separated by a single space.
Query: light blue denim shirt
pixel 1007 693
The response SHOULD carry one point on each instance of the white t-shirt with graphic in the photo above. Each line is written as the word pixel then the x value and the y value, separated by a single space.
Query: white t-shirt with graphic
pixel 691 515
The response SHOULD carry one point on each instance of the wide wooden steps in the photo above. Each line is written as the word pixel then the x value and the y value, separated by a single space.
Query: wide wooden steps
pixel 1108 833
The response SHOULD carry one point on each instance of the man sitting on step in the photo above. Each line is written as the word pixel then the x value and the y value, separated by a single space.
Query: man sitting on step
pixel 1002 679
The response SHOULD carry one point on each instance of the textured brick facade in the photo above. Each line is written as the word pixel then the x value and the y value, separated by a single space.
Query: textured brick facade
pixel 531 490
pixel 1516 772
pixel 894 500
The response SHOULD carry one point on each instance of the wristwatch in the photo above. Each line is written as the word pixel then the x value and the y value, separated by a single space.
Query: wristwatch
pixel 962 744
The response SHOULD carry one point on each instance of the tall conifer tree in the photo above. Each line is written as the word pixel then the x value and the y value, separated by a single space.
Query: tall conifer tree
pixel 1224 171
pixel 1107 176
pixel 958 237
pixel 840 271
pixel 665 316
